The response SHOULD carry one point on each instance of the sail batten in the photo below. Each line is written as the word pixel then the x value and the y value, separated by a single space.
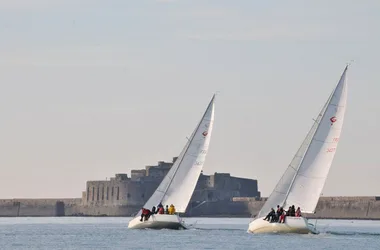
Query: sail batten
pixel 305 176
pixel 180 181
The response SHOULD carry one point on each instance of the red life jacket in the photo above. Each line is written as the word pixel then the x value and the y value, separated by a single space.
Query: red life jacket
pixel 161 210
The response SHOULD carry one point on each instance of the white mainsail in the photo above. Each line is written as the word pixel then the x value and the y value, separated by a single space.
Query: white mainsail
pixel 305 177
pixel 178 185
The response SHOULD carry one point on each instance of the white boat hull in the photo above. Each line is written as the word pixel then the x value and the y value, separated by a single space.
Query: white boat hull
pixel 297 225
pixel 158 221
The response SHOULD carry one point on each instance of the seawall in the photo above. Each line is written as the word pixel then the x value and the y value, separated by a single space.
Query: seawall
pixel 40 207
pixel 367 207
pixel 348 208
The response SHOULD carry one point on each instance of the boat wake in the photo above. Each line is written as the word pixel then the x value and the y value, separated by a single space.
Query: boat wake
pixel 216 229
pixel 350 233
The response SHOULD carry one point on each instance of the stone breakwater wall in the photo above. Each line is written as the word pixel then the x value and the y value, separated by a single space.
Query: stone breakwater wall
pixel 348 207
pixel 367 207
pixel 61 207
pixel 39 207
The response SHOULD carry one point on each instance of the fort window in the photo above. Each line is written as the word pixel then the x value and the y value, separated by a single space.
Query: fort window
pixel 210 196
pixel 112 192
pixel 97 194
pixel 88 193
pixel 117 195
pixel 142 195
pixel 107 194
pixel 102 193
pixel 128 195
pixel 93 193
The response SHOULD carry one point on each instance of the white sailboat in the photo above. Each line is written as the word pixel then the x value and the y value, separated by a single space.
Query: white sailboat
pixel 304 179
pixel 178 185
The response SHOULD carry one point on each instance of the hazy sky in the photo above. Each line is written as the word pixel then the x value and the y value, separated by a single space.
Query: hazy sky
pixel 91 88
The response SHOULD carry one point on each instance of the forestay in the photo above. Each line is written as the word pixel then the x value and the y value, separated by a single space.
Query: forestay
pixel 178 185
pixel 303 181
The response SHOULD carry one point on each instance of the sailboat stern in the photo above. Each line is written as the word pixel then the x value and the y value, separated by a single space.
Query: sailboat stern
pixel 158 221
pixel 298 225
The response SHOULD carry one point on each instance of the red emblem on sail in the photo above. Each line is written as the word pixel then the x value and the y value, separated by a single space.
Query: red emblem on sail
pixel 333 119
pixel 205 133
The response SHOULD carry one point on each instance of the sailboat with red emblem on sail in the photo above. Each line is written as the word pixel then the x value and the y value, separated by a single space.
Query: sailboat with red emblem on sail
pixel 178 185
pixel 302 183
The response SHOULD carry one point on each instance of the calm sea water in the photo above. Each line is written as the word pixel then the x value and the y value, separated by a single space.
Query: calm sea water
pixel 207 233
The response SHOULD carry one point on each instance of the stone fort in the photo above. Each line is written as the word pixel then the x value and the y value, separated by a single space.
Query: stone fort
pixel 124 195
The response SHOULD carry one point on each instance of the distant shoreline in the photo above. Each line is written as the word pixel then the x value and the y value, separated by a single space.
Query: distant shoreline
pixel 206 216
pixel 335 208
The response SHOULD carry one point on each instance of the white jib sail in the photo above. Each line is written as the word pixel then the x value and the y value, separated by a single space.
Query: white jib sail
pixel 303 181
pixel 178 185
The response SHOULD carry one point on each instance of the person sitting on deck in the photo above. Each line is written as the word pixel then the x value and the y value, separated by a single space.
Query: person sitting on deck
pixel 171 209
pixel 154 211
pixel 167 209
pixel 161 210
pixel 298 212
pixel 282 211
pixel 278 213
pixel 271 215
pixel 293 211
pixel 282 217
pixel 173 212
pixel 159 205
pixel 145 214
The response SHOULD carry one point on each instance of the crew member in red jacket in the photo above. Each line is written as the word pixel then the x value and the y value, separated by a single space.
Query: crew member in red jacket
pixel 145 213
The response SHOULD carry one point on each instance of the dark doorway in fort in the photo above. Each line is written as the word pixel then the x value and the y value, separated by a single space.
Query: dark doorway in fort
pixel 210 196
pixel 59 208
